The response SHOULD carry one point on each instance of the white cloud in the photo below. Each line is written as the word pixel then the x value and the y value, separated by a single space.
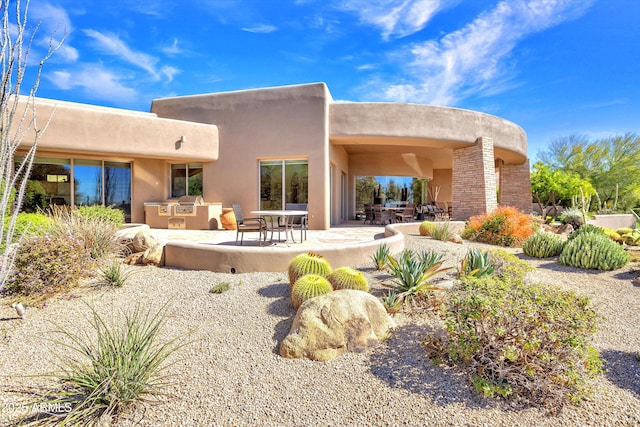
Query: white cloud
pixel 472 59
pixel 261 29
pixel 172 49
pixel 397 18
pixel 112 45
pixel 95 81
pixel 169 72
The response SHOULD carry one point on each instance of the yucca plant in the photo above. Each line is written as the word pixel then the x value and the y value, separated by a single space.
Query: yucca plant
pixel 412 272
pixel 476 263
pixel 379 258
pixel 120 366
pixel 115 273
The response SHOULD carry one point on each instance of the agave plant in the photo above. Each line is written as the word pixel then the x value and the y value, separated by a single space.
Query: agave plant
pixel 476 263
pixel 412 272
pixel 379 258
pixel 392 302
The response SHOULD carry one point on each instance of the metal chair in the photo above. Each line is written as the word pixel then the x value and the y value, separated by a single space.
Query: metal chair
pixel 258 225
pixel 408 214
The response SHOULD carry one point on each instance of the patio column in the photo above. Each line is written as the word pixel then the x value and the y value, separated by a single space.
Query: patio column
pixel 474 180
pixel 515 186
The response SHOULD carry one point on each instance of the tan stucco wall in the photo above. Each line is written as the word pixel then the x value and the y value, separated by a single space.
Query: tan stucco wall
pixel 424 126
pixel 442 178
pixel 277 123
pixel 85 129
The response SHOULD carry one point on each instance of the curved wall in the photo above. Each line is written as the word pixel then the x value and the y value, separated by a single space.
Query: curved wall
pixel 424 126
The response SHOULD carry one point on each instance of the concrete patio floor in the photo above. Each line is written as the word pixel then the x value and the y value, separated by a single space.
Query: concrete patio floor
pixel 350 244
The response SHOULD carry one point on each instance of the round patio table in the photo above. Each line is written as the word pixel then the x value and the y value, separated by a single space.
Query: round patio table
pixel 287 215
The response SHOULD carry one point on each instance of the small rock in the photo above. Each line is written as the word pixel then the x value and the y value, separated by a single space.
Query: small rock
pixel 455 238
pixel 142 241
pixel 564 229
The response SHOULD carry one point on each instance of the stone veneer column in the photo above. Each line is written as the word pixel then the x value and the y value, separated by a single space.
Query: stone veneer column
pixel 474 180
pixel 515 186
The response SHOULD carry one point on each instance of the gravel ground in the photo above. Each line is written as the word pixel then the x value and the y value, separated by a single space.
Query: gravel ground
pixel 232 375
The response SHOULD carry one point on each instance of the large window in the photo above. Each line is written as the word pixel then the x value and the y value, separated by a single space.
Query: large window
pixel 78 182
pixel 282 182
pixel 186 179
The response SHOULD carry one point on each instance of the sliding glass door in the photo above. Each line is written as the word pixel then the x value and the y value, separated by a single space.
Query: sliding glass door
pixel 282 182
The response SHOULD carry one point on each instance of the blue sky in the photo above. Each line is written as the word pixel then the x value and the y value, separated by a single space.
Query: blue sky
pixel 554 67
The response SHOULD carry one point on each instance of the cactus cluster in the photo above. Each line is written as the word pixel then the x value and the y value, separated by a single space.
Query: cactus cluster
pixel 308 263
pixel 426 228
pixel 543 245
pixel 348 278
pixel 309 286
pixel 586 229
pixel 593 251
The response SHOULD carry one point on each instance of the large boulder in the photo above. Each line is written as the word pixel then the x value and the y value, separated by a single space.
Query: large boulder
pixel 142 241
pixel 342 321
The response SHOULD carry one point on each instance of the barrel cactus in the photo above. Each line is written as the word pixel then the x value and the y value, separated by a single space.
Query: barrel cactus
pixel 309 286
pixel 594 251
pixel 426 228
pixel 308 263
pixel 543 245
pixel 348 278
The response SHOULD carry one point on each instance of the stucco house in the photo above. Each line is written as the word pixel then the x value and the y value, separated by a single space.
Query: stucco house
pixel 263 148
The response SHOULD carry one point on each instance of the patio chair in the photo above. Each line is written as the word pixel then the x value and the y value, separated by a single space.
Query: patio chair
pixel 258 225
pixel 407 214
pixel 298 222
pixel 368 213
pixel 381 215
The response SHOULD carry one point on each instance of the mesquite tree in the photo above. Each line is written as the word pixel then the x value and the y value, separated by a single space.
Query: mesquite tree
pixel 18 119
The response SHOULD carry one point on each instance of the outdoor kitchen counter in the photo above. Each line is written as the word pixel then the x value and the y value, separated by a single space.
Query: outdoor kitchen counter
pixel 183 215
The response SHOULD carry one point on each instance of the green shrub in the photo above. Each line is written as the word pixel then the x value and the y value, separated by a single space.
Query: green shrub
pixel 506 226
pixel 106 213
pixel 543 245
pixel 308 263
pixel 46 265
pixel 348 278
pixel 476 263
pixel 309 286
pixel 29 224
pixel 219 288
pixel 517 339
pixel 379 258
pixel 508 266
pixel 412 272
pixel 120 366
pixel 594 251
pixel 392 302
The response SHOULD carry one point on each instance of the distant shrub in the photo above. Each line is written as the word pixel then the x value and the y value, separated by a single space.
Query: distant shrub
pixel 442 231
pixel 46 265
pixel 509 267
pixel 594 251
pixel 506 226
pixel 219 288
pixel 106 213
pixel 572 216
pixel 529 341
pixel 543 245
